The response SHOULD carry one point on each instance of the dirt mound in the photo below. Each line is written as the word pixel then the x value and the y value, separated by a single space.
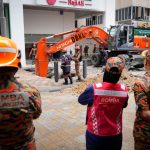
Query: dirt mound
pixel 127 78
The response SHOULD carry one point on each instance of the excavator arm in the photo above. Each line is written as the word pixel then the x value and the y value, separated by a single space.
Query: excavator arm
pixel 76 35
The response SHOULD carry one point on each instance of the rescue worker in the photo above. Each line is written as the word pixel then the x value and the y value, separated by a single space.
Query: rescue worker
pixel 86 49
pixel 66 67
pixel 141 131
pixel 33 53
pixel 105 102
pixel 77 58
pixel 20 103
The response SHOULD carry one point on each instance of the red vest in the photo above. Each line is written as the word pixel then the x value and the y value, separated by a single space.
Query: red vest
pixel 104 117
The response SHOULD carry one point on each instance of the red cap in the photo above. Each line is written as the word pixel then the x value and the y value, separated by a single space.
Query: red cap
pixel 115 62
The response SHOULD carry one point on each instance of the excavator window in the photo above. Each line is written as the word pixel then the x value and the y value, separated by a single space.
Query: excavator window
pixel 131 34
pixel 123 36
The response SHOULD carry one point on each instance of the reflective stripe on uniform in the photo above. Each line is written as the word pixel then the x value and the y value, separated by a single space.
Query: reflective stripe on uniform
pixel 110 93
pixel 14 100
pixel 8 50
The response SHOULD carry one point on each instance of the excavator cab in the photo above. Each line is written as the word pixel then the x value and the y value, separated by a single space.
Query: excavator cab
pixel 121 36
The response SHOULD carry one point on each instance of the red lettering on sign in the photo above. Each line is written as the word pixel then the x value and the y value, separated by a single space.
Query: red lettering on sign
pixel 76 2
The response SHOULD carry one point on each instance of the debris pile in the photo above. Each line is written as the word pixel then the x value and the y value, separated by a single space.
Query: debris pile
pixel 127 78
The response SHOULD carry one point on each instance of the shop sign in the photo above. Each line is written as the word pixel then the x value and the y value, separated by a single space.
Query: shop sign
pixel 76 2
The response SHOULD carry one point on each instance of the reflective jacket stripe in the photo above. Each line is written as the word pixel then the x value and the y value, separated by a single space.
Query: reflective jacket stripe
pixel 110 93
pixel 8 50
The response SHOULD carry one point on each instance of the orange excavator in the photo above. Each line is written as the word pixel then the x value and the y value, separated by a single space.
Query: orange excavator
pixel 121 40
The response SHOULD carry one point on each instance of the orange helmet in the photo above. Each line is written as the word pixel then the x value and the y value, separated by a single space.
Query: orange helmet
pixel 8 53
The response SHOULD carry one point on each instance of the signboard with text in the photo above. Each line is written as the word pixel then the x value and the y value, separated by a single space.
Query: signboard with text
pixel 84 4
pixel 80 3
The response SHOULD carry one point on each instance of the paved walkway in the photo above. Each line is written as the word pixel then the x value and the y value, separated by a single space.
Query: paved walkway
pixel 62 123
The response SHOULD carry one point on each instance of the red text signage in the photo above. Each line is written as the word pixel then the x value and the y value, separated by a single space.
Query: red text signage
pixel 76 2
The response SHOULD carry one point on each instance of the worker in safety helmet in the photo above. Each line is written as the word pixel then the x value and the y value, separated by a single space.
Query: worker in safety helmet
pixel 105 102
pixel 20 103
pixel 66 67
pixel 77 59
pixel 141 131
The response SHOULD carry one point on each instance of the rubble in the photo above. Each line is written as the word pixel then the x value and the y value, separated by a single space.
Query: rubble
pixel 127 78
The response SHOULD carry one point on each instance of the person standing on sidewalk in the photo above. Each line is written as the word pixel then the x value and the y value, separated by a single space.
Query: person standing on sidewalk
pixel 86 51
pixel 20 103
pixel 105 102
pixel 33 53
pixel 66 67
pixel 77 58
pixel 141 131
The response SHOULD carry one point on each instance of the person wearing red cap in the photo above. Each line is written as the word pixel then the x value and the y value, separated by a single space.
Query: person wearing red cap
pixel 66 67
pixel 105 102
pixel 77 58
pixel 141 130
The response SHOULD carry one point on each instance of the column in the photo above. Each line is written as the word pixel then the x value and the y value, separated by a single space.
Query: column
pixel 109 16
pixel 17 26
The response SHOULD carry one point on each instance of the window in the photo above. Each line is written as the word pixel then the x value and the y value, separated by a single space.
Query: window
pixel 133 12
pixel 117 15
pixel 99 20
pixel 129 13
pixel 95 20
pixel 142 13
pixel 123 14
pixel 126 13
pixel 131 34
pixel 7 17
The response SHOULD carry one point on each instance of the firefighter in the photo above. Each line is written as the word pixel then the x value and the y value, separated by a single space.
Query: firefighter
pixel 77 58
pixel 66 67
pixel 20 103
pixel 105 102
pixel 141 130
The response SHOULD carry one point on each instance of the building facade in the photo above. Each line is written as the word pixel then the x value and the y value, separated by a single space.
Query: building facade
pixel 29 20
pixel 133 12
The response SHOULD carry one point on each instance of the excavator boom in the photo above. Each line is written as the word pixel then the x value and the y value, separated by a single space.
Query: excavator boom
pixel 43 51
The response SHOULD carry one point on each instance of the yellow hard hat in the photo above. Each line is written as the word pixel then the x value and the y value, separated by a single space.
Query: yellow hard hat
pixel 8 53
